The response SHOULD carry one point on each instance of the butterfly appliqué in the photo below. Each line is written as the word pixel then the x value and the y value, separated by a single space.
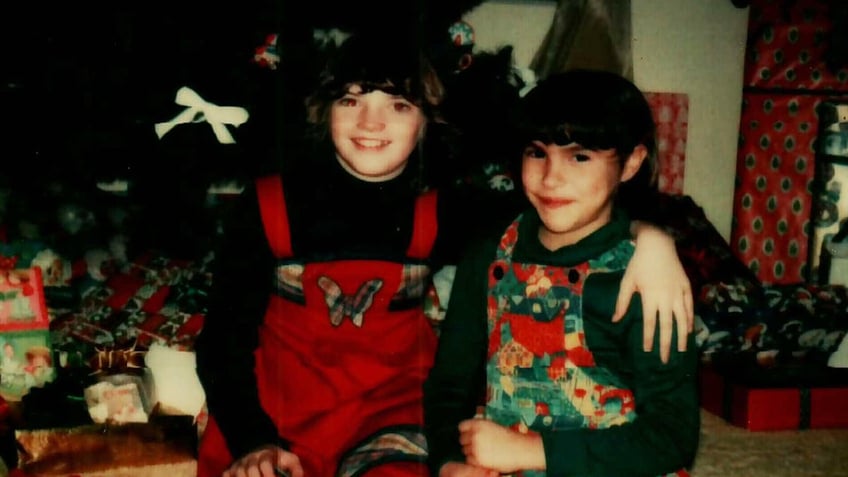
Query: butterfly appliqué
pixel 353 306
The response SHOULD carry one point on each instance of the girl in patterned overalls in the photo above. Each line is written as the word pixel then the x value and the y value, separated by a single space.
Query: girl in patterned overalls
pixel 315 347
pixel 564 391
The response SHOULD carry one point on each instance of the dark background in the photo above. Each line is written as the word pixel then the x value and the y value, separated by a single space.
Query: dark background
pixel 82 84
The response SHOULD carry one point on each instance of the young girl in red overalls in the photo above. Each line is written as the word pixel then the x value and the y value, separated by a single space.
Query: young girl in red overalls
pixel 315 347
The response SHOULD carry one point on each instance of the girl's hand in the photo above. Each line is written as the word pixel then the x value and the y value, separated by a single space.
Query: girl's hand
pixel 492 446
pixel 458 469
pixel 266 461
pixel 656 273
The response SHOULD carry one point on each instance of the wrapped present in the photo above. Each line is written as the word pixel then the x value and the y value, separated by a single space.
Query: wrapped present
pixel 119 398
pixel 27 358
pixel 774 169
pixel 22 305
pixel 164 446
pixel 791 45
pixel 27 362
pixel 777 399
pixel 153 299
pixel 671 115
pixel 830 193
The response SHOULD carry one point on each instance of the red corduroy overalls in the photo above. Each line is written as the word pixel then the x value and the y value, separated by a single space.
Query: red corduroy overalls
pixel 343 353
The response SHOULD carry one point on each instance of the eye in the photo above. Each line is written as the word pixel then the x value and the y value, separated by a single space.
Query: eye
pixel 347 101
pixel 535 152
pixel 403 106
pixel 581 157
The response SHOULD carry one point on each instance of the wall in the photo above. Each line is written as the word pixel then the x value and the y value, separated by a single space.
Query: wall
pixel 695 47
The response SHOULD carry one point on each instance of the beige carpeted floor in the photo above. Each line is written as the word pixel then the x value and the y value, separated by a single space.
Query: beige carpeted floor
pixel 727 450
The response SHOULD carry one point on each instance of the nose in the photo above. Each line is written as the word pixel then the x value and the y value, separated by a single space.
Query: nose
pixel 555 171
pixel 371 119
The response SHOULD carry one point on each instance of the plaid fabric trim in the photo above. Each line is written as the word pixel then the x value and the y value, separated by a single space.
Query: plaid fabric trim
pixel 397 444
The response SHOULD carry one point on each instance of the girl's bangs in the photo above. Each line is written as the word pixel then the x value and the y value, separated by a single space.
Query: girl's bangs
pixel 389 86
pixel 589 136
pixel 378 64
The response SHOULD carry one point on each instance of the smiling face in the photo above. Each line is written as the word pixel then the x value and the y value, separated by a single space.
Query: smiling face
pixel 573 188
pixel 374 133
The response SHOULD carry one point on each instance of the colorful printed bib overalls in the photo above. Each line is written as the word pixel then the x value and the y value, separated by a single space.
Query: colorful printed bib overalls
pixel 541 375
pixel 343 353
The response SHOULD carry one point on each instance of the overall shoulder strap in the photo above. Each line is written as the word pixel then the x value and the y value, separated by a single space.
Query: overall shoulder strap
pixel 425 226
pixel 272 206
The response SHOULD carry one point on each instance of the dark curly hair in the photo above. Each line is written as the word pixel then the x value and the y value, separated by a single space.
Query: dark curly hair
pixel 396 65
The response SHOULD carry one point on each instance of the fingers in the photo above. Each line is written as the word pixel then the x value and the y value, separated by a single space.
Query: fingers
pixel 649 323
pixel 681 321
pixel 625 293
pixel 269 461
pixel 465 426
pixel 466 433
pixel 666 324
pixel 689 304
pixel 470 424
pixel 467 429
pixel 682 334
pixel 265 467
pixel 290 463
pixel 685 318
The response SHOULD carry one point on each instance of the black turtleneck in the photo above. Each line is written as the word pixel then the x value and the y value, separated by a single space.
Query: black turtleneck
pixel 333 214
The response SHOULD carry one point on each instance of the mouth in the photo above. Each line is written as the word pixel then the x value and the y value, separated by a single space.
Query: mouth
pixel 367 143
pixel 552 202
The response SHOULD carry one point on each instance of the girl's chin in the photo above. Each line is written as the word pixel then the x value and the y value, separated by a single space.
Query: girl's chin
pixel 374 175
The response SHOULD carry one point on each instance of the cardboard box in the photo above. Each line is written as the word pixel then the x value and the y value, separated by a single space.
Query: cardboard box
pixel 758 406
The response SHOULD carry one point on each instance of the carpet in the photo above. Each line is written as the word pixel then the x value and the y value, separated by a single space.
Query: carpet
pixel 727 450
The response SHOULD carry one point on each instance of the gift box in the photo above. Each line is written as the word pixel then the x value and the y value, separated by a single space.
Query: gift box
pixel 164 446
pixel 830 194
pixel 26 362
pixel 22 304
pixel 26 359
pixel 771 401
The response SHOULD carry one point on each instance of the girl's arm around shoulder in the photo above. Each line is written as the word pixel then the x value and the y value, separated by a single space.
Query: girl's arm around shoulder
pixel 456 383
pixel 657 274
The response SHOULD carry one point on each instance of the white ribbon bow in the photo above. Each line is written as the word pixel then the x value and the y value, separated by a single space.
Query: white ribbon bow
pixel 198 110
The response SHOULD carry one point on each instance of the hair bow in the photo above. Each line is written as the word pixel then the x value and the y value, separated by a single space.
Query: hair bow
pixel 198 110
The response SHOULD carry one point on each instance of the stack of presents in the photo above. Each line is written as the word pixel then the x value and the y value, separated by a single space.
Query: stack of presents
pixel 775 348
pixel 107 386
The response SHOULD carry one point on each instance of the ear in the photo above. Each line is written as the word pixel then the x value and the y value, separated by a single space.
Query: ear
pixel 633 162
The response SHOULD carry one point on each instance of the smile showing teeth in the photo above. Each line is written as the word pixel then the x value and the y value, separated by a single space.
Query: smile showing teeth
pixel 370 143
